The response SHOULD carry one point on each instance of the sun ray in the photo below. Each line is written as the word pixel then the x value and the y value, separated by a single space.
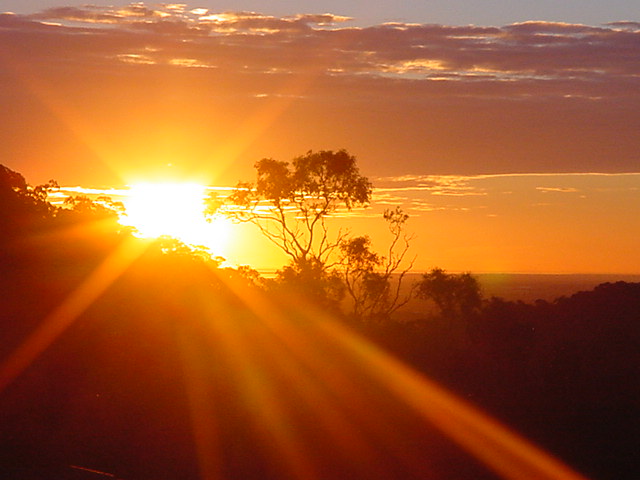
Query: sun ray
pixel 202 412
pixel 256 384
pixel 305 366
pixel 502 450
pixel 78 125
pixel 275 105
pixel 70 309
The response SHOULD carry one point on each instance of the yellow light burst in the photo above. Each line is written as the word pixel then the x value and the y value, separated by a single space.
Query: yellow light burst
pixel 176 210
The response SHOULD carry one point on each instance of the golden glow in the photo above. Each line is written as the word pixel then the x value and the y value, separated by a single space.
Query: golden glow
pixel 176 210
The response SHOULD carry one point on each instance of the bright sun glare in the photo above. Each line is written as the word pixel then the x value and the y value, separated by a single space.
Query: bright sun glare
pixel 176 210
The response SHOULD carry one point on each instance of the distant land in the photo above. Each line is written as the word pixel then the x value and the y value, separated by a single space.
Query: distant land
pixel 526 287
pixel 531 287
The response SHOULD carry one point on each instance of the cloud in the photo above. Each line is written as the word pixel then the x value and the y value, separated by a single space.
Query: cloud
pixel 532 96
pixel 633 26
pixel 557 189
pixel 431 185
pixel 485 194
pixel 176 19
pixel 98 14
pixel 483 185
pixel 546 57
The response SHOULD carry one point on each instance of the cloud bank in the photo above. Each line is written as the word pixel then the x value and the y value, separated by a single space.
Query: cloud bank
pixel 557 58
pixel 526 97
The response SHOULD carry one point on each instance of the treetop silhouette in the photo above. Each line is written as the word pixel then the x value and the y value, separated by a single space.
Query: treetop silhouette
pixel 289 202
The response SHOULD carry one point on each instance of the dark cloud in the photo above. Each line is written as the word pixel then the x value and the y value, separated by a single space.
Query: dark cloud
pixel 625 25
pixel 552 28
pixel 531 51
pixel 11 21
pixel 96 14
pixel 322 19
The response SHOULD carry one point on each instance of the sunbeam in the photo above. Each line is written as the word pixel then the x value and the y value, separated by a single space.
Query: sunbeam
pixel 258 364
pixel 202 411
pixel 70 309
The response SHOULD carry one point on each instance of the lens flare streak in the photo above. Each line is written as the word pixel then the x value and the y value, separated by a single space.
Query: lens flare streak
pixel 69 310
pixel 315 332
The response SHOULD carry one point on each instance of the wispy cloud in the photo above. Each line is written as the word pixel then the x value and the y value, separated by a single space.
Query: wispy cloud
pixel 557 189
pixel 432 193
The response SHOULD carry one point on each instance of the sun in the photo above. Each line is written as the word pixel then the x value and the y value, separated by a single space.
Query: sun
pixel 176 210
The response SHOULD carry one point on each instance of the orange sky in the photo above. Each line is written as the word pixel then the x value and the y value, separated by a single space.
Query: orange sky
pixel 109 98
pixel 524 223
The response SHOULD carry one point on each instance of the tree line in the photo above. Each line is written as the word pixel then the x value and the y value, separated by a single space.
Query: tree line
pixel 291 203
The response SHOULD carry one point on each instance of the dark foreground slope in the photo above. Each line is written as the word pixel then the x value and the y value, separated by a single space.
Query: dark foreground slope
pixel 564 373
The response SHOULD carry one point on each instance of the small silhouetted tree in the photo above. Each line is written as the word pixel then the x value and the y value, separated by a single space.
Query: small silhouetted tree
pixel 101 207
pixel 311 281
pixel 368 276
pixel 457 296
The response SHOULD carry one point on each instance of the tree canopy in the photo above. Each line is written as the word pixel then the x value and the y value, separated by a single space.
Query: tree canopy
pixel 290 202
pixel 455 295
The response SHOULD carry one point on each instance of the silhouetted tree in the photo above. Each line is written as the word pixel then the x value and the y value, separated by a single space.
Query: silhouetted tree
pixel 457 296
pixel 290 203
pixel 310 280
pixel 23 207
pixel 102 206
pixel 368 276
